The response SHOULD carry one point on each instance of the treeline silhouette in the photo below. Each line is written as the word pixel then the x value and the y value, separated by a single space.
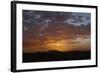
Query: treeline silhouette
pixel 56 56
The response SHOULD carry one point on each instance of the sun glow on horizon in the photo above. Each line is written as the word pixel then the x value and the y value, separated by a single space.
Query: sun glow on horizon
pixel 58 45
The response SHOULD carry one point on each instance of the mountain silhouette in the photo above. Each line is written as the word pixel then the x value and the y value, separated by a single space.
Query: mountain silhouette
pixel 54 55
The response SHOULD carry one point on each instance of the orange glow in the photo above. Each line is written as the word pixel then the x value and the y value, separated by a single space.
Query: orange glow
pixel 56 45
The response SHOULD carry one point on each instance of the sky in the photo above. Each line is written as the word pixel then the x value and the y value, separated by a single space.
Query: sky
pixel 61 31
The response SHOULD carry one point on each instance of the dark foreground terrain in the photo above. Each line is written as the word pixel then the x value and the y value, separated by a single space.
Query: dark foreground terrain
pixel 56 56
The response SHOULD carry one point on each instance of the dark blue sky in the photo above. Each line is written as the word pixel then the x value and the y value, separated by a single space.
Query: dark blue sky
pixel 75 18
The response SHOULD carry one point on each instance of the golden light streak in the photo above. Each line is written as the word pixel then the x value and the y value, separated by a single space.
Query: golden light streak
pixel 61 45
pixel 57 45
pixel 68 45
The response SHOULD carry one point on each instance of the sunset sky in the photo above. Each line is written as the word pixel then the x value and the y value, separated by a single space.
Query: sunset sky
pixel 60 31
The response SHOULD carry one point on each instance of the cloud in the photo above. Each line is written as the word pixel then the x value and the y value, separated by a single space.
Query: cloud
pixel 79 19
pixel 71 29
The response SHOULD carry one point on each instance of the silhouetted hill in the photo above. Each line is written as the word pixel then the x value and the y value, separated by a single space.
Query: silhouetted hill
pixel 55 56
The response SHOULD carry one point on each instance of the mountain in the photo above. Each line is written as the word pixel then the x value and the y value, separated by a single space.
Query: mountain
pixel 54 55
